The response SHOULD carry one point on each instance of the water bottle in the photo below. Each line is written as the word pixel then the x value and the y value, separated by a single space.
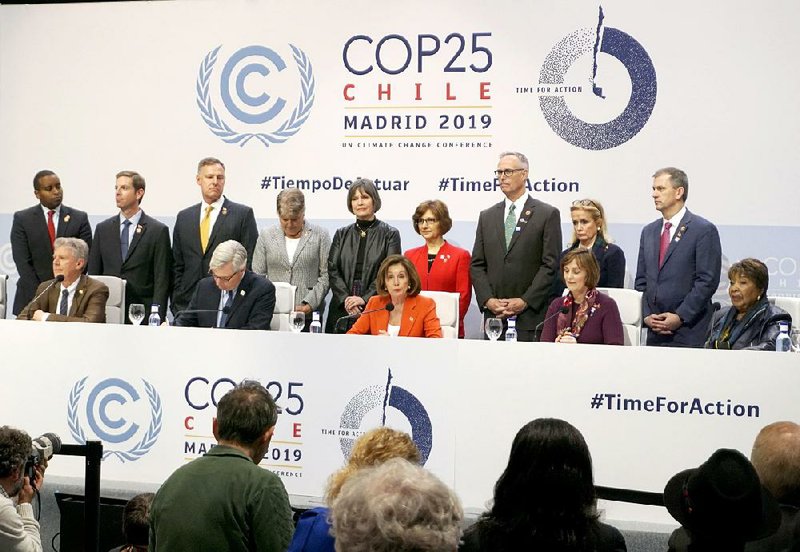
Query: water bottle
pixel 316 325
pixel 511 332
pixel 783 342
pixel 154 319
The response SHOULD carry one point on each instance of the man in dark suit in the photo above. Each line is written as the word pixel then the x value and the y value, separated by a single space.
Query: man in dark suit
pixel 232 297
pixel 680 257
pixel 77 298
pixel 35 229
pixel 200 228
pixel 516 250
pixel 135 247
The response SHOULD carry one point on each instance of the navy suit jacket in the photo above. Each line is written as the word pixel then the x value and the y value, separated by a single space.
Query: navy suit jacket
pixel 251 309
pixel 31 249
pixel 234 222
pixel 147 269
pixel 685 283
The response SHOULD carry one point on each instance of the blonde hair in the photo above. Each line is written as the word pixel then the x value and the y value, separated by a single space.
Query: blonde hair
pixel 595 210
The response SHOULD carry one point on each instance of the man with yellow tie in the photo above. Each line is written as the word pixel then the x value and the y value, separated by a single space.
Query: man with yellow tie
pixel 201 227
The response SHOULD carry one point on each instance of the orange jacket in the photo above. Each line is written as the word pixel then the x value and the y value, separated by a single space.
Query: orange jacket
pixel 418 319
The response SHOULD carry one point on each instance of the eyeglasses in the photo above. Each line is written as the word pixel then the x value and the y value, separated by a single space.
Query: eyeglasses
pixel 223 278
pixel 506 172
pixel 584 203
pixel 427 221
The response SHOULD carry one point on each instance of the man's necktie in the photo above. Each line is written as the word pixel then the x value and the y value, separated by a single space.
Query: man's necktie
pixel 62 308
pixel 223 317
pixel 511 223
pixel 124 238
pixel 662 251
pixel 205 226
pixel 51 228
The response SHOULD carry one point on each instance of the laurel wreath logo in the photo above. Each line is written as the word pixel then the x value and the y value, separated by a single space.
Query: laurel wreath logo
pixel 137 451
pixel 289 127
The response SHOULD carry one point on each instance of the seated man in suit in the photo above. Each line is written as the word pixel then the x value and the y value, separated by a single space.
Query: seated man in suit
pixel 77 298
pixel 232 297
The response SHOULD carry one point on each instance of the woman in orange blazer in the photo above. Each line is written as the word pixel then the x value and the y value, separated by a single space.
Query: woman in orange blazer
pixel 441 265
pixel 398 309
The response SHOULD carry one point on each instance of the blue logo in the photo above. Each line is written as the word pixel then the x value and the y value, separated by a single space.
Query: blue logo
pixel 106 403
pixel 249 109
pixel 643 87
pixel 383 397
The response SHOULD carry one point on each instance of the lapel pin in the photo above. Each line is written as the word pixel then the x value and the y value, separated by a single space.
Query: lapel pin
pixel 80 292
pixel 528 213
pixel 522 220
pixel 66 218
pixel 138 228
pixel 224 210
pixel 241 292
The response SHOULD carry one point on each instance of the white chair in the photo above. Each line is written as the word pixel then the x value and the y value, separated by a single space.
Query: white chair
pixel 284 305
pixel 629 303
pixel 446 310
pixel 115 307
pixel 3 294
pixel 790 305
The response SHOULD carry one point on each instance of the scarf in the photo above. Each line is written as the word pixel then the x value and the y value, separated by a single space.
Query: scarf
pixel 731 329
pixel 574 326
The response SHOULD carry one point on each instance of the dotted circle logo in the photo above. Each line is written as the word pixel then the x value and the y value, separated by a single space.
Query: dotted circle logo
pixel 7 265
pixel 589 42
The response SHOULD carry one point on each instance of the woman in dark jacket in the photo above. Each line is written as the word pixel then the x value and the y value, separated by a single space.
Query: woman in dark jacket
pixel 750 322
pixel 545 500
pixel 357 251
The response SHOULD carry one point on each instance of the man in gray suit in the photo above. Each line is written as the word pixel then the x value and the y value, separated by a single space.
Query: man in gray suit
pixel 515 256
pixel 296 251
pixel 201 227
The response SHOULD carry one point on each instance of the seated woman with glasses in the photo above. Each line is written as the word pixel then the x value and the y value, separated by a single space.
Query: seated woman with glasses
pixel 750 322
pixel 441 265
pixel 584 315
pixel 589 231
pixel 398 309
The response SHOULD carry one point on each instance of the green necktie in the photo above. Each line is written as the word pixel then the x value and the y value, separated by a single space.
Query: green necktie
pixel 511 223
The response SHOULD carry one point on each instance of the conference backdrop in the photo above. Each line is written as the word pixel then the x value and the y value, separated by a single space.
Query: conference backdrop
pixel 420 96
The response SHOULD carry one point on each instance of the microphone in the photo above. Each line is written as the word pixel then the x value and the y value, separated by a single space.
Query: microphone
pixel 538 328
pixel 57 279
pixel 389 307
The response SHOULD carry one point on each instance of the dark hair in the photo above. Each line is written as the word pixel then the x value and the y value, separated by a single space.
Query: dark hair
pixel 136 519
pixel 545 498
pixel 439 210
pixel 414 282
pixel 15 446
pixel 137 181
pixel 677 178
pixel 753 270
pixel 366 186
pixel 245 412
pixel 40 175
pixel 586 261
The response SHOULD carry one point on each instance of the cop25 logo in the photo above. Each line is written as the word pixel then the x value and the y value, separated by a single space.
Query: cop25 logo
pixel 106 407
pixel 249 110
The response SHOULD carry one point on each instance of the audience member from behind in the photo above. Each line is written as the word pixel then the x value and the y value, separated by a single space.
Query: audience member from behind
pixel 545 498
pixel 398 309
pixel 750 322
pixel 396 507
pixel 776 458
pixel 721 505
pixel 78 298
pixel 441 265
pixel 584 315
pixel 136 523
pixel 590 231
pixel 19 530
pixel 223 501
pixel 371 449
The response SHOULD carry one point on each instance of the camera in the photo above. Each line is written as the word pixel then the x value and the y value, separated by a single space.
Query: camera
pixel 44 446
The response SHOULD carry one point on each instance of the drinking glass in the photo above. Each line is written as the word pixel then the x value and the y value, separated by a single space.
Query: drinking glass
pixel 796 340
pixel 298 321
pixel 494 328
pixel 136 313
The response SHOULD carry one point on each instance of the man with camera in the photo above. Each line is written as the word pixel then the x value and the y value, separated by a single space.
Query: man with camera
pixel 19 530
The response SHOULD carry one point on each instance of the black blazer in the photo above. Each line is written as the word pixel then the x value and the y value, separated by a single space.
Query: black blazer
pixel 148 267
pixel 251 309
pixel 529 265
pixel 30 247
pixel 234 222
pixel 611 260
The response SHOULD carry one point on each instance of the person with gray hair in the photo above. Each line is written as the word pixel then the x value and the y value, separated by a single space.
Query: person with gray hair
pixel 232 296
pixel 224 501
pixel 397 507
pixel 77 297
pixel 296 251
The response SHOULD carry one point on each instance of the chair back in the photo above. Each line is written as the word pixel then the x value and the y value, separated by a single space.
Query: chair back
pixel 3 294
pixel 790 305
pixel 115 306
pixel 629 303
pixel 446 310
pixel 284 305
